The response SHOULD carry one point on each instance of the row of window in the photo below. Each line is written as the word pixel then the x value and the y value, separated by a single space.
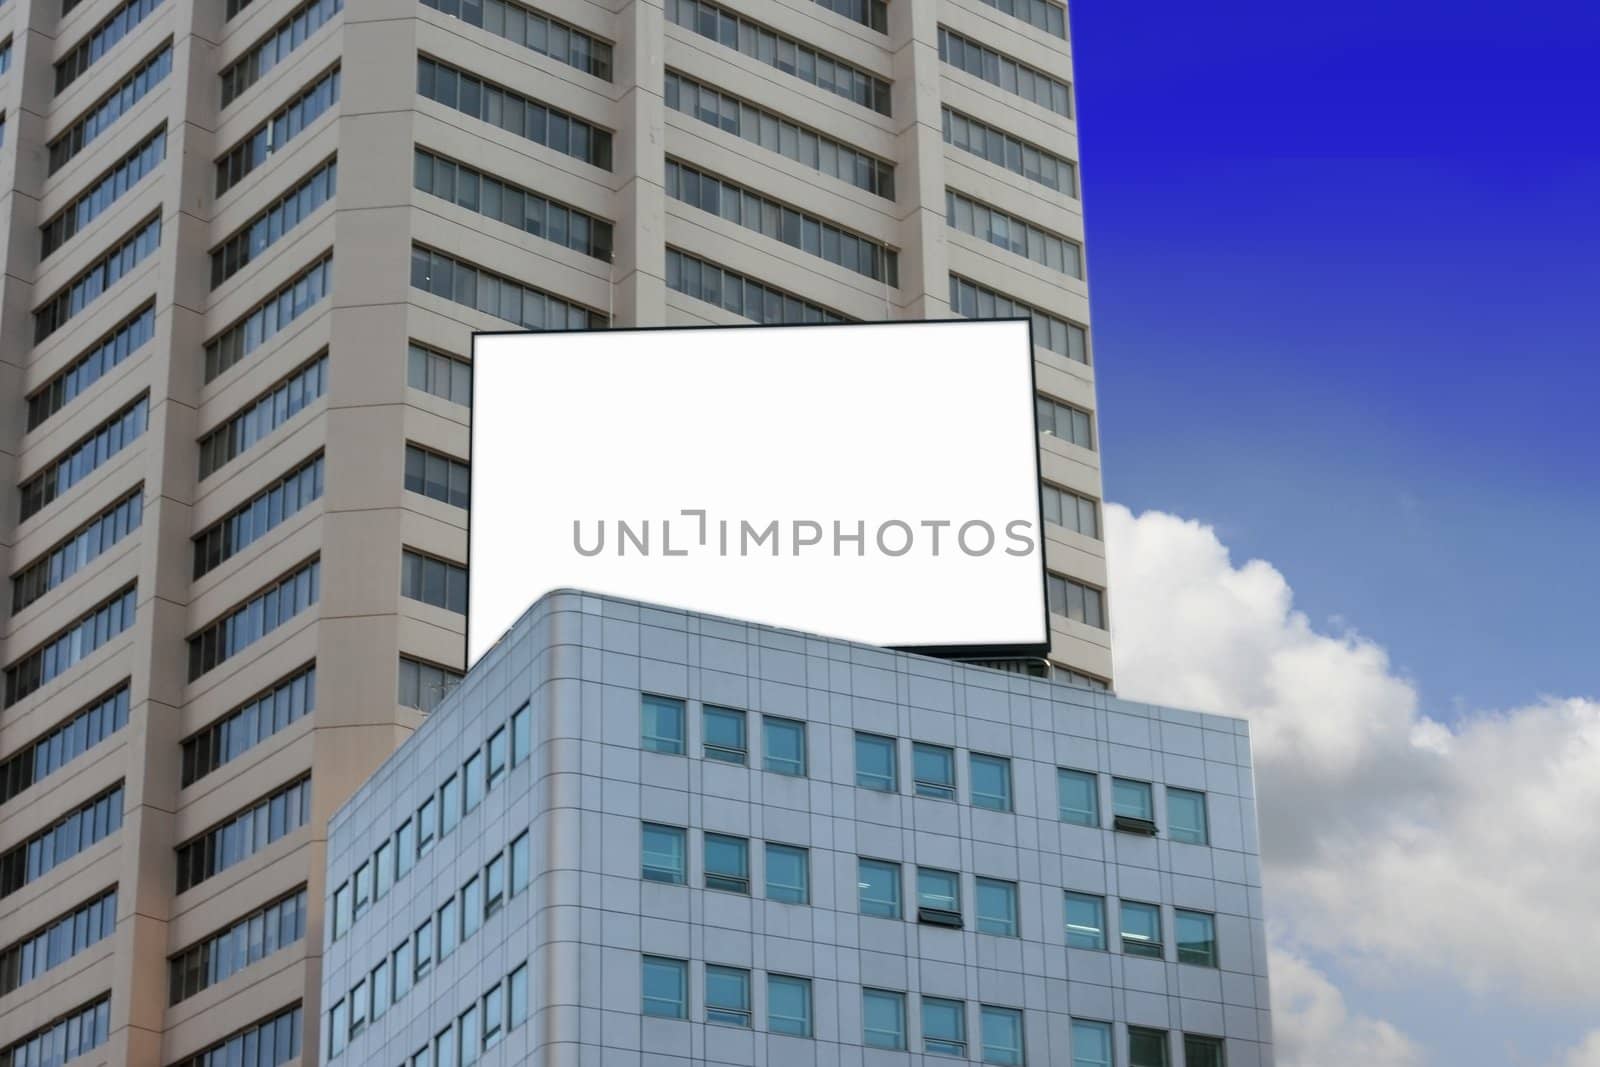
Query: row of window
pixel 101 358
pixel 870 13
pixel 85 456
pixel 1010 152
pixel 283 215
pixel 250 521
pixel 481 1027
pixel 273 314
pixel 69 935
pixel 68 1037
pixel 49 753
pixel 273 1041
pixel 457 919
pixel 98 277
pixel 1076 600
pixel 662 729
pixel 778 134
pixel 511 111
pixel 422 685
pixel 460 793
pixel 257 617
pixel 249 940
pixel 534 31
pixel 1040 14
pixel 243 835
pixel 771 218
pixel 71 646
pixel 781 51
pixel 249 724
pixel 105 191
pixel 1001 70
pixel 1071 424
pixel 285 37
pixel 433 581
pixel 234 165
pixel 1074 511
pixel 973 301
pixel 78 549
pixel 109 108
pixel 663 857
pixel 513 205
pixel 441 477
pixel 79 829
pixel 744 296
pixel 262 416
pixel 439 375
pixel 1013 234
pixel 470 285
pixel 100 40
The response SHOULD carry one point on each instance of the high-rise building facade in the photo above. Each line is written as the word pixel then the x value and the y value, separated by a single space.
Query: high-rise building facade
pixel 648 837
pixel 246 242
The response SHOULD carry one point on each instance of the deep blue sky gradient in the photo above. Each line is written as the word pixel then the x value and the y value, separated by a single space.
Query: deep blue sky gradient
pixel 1345 269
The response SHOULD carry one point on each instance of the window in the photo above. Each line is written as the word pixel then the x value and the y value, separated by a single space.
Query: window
pixel 1041 14
pixel 536 32
pixel 523 209
pixel 439 582
pixel 661 725
pixel 440 375
pixel 1199 1051
pixel 473 781
pixel 1141 929
pixel 471 1043
pixel 71 646
pixel 93 46
pixel 363 884
pixel 404 965
pixel 662 852
pixel 236 839
pixel 256 517
pixel 1086 921
pixel 343 910
pixel 875 763
pixel 405 848
pixel 1147 1048
pixel 727 996
pixel 275 47
pixel 87 455
pixel 944 1026
pixel 991 782
pixel 870 13
pixel 234 165
pixel 275 222
pixel 727 863
pixel 520 857
pixel 517 114
pixel 427 825
pixel 789 1005
pixel 521 734
pixel 1030 83
pixel 276 1040
pixel 471 906
pixel 518 996
pixel 784 741
pixel 883 1019
pixel 997 907
pixel 1011 153
pixel 788 874
pixel 1186 816
pixel 1091 1044
pixel 95 200
pixel 934 767
pixel 1065 422
pixel 104 356
pixel 110 107
pixel 1132 806
pixel 1002 1035
pixel 938 896
pixel 54 750
pixel 358 1007
pixel 437 476
pixel 494 885
pixel 1197 938
pixel 665 988
pixel 746 296
pixel 383 863
pixel 724 734
pixel 29 958
pixel 1078 602
pixel 449 927
pixel 1063 507
pixel 422 941
pixel 379 982
pixel 444 1050
pixel 1079 797
pixel 497 749
pixel 493 294
pixel 878 883
pixel 424 685
pixel 494 1015
pixel 256 421
pixel 338 1027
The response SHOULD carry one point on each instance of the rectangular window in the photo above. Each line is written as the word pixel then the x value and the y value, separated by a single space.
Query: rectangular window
pixel 435 373
pixel 498 751
pixel 521 856
pixel 449 924
pixel 1068 339
pixel 255 518
pixel 235 840
pixel 517 1009
pixel 437 476
pixel 423 685
pixel 427 825
pixel 1146 1048
pixel 661 725
pixel 257 420
pixel 494 885
pixel 405 848
pixel 876 764
pixel 449 804
pixel 521 734
pixel 883 1019
pixel 665 986
pixel 275 47
pixel 878 883
pixel 28 959
pixel 1075 600
pixel 470 1041
pixel 788 874
pixel 54 750
pixel 110 107
pixel 1133 806
pixel 944 1026
pixel 292 595
pixel 662 854
pixel 938 897
pixel 383 863
pixel 1073 511
pixel 784 746
pixel 1141 930
pixel 1002 1035
pixel 535 32
pixel 1003 150
pixel 379 983
pixel 275 222
pixel 494 1015
pixel 1197 938
pixel 1003 72
pixel 441 583
pixel 935 769
pixel 422 947
pixel 724 730
pixel 516 114
pixel 1064 422
pixel 727 863
pixel 473 780
pixel 513 205
pixel 1186 816
pixel 98 197
pixel 234 165
pixel 71 646
pixel 1091 1044
pixel 727 996
pixel 1086 921
pixel 997 907
pixel 343 910
pixel 87 455
pixel 1200 1051
pixel 93 46
pixel 493 294
pixel 748 297
pixel 1079 797
pixel 104 356
pixel 404 965
pixel 789 1005
pixel 277 1038
pixel 991 782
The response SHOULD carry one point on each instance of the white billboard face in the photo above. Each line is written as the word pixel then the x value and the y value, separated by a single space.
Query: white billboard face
pixel 874 482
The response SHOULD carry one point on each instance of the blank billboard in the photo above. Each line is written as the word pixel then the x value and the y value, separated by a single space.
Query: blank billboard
pixel 874 482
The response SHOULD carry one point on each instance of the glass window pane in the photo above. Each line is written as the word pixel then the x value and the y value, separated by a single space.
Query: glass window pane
pixel 1197 938
pixel 661 725
pixel 727 996
pixel 875 763
pixel 940 890
pixel 1132 799
pixel 788 880
pixel 878 885
pixel 789 1005
pixel 991 782
pixel 1201 1051
pixel 1186 816
pixel 1146 1048
pixel 883 1019
pixel 1091 1044
pixel 1079 797
pixel 997 907
pixel 662 852
pixel 727 862
pixel 1086 921
pixel 663 987
pixel 724 734
pixel 785 746
pixel 1141 929
pixel 1002 1035
pixel 935 769
pixel 944 1026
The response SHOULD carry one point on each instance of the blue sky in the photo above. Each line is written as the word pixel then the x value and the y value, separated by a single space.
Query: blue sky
pixel 1345 270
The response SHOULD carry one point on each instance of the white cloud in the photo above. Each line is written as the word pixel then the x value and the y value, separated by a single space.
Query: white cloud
pixel 1585 1053
pixel 1315 1028
pixel 1399 845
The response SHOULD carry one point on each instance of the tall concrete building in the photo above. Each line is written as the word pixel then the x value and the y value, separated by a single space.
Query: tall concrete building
pixel 654 838
pixel 246 242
